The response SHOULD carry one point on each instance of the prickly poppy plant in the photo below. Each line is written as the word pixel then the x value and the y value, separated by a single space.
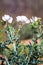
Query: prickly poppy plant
pixel 24 54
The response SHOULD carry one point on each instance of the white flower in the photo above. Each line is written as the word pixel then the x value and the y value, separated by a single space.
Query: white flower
pixel 23 19
pixel 7 18
pixel 34 19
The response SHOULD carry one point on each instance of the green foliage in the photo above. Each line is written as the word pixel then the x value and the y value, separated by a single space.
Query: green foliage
pixel 26 32
pixel 30 30
pixel 11 33
pixel 24 54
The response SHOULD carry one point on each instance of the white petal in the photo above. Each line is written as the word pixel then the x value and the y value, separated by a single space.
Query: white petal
pixel 3 18
pixel 18 18
pixel 6 17
pixel 10 20
pixel 36 18
pixel 21 18
pixel 28 21
pixel 24 18
pixel 32 20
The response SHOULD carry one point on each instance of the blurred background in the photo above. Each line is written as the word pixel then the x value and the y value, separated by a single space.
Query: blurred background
pixel 21 7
